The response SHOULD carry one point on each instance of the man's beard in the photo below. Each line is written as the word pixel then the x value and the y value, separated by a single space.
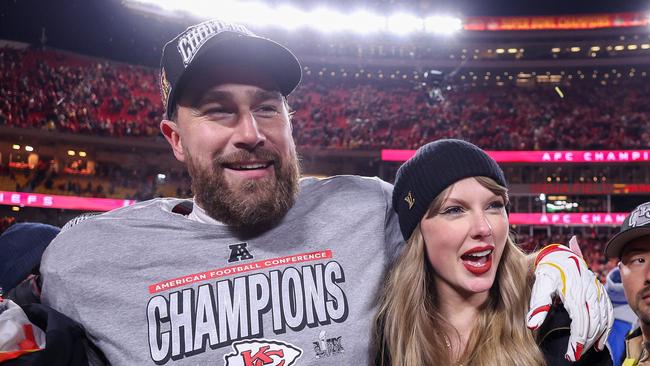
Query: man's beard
pixel 644 315
pixel 254 205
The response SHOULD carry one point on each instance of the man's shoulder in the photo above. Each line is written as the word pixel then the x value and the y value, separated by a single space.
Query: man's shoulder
pixel 149 209
pixel 88 230
pixel 340 183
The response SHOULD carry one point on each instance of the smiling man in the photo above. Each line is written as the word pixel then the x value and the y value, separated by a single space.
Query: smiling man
pixel 233 131
pixel 260 268
pixel 631 246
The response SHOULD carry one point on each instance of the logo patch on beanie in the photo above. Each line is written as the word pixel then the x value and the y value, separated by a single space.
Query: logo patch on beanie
pixel 410 200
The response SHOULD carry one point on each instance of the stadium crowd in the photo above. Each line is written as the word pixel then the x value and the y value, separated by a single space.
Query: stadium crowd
pixel 592 245
pixel 57 91
pixel 107 181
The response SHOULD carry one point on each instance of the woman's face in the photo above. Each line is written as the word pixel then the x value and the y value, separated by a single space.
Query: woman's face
pixel 465 238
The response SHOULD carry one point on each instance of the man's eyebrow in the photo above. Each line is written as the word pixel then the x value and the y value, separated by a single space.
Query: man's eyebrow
pixel 221 96
pixel 634 251
pixel 263 95
pixel 213 96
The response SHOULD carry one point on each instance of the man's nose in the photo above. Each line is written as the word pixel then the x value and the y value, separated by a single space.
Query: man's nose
pixel 248 134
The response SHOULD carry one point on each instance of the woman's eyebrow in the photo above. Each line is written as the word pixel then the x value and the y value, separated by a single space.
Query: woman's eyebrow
pixel 461 201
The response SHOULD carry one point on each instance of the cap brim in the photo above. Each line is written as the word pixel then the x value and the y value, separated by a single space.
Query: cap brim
pixel 265 55
pixel 615 245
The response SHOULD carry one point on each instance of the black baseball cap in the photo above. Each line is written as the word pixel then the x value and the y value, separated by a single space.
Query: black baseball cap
pixel 636 225
pixel 221 44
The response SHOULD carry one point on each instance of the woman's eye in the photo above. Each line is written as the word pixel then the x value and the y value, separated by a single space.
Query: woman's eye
pixel 496 205
pixel 453 210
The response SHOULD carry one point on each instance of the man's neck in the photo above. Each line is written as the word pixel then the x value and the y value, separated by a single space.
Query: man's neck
pixel 198 214
pixel 645 332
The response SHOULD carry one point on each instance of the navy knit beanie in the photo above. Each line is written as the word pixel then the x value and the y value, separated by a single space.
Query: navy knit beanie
pixel 434 167
pixel 21 248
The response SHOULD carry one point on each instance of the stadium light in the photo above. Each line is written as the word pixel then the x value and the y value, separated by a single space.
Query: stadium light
pixel 327 20
pixel 403 24
pixel 15 147
pixel 249 13
pixel 442 24
pixel 365 22
pixel 28 148
pixel 292 18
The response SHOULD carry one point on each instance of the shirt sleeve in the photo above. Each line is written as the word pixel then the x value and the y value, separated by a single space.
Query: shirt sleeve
pixel 394 240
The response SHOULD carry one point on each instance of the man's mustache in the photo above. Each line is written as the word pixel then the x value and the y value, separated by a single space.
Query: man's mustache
pixel 643 293
pixel 259 154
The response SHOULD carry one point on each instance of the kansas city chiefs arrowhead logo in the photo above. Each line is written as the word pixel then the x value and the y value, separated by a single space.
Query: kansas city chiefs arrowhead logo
pixel 262 352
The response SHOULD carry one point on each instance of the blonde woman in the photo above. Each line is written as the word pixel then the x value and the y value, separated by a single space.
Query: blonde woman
pixel 459 292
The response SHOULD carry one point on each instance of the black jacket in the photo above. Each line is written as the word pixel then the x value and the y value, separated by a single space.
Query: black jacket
pixel 554 339
pixel 65 340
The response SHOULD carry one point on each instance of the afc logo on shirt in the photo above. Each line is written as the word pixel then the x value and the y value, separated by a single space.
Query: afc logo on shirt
pixel 239 252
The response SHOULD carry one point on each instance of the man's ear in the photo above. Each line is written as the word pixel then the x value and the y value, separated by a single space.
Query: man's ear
pixel 169 129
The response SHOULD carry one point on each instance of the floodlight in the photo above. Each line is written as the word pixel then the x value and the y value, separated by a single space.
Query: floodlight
pixel 364 22
pixel 258 14
pixel 403 24
pixel 443 24
pixel 327 20
pixel 290 18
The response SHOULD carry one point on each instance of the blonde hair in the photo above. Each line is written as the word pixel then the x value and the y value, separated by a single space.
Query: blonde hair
pixel 411 331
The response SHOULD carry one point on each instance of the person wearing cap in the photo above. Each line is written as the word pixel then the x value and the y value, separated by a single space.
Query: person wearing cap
pixel 631 246
pixel 260 267
pixel 458 294
pixel 625 319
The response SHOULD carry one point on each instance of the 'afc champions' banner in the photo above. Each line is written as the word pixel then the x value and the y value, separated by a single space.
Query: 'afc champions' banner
pixel 22 199
pixel 106 204
pixel 583 156
pixel 557 22
pixel 568 219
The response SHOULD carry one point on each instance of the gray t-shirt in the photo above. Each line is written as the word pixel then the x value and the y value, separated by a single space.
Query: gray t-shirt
pixel 154 287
